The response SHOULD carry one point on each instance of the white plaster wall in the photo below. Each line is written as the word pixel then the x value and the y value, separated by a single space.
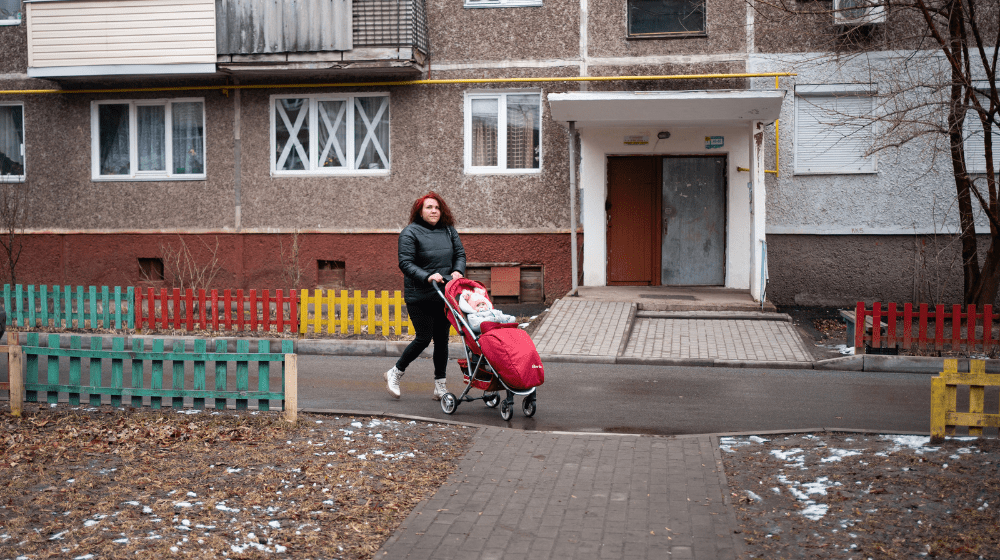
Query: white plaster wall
pixel 599 143
pixel 912 191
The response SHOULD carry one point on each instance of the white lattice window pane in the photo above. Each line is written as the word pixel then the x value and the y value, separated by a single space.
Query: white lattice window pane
pixel 371 132
pixel 485 122
pixel 522 131
pixel 332 133
pixel 188 142
pixel 113 127
pixel 291 132
pixel 11 140
pixel 152 133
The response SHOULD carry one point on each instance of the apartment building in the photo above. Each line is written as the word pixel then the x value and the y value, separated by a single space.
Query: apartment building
pixel 286 141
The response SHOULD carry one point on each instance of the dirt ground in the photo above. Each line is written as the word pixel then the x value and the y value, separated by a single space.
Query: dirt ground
pixel 93 483
pixel 865 496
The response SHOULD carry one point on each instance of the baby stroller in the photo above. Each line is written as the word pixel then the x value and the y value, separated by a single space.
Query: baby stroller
pixel 501 357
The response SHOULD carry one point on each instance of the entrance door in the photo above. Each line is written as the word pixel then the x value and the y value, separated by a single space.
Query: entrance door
pixel 694 221
pixel 633 213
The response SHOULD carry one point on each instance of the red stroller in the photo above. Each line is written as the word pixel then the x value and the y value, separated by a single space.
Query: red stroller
pixel 501 357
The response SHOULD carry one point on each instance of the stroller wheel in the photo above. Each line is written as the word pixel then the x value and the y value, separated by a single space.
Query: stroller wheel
pixel 528 406
pixel 506 409
pixel 492 399
pixel 448 403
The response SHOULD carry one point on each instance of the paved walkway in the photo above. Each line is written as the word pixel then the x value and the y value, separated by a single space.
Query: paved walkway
pixel 520 495
pixel 716 339
pixel 579 329
pixel 584 327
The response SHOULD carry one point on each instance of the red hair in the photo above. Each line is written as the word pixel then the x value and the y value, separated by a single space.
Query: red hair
pixel 446 217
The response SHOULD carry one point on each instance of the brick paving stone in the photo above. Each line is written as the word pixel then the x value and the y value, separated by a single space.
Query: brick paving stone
pixel 600 496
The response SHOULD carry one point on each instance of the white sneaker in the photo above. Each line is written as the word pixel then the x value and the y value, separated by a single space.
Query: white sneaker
pixel 392 381
pixel 439 389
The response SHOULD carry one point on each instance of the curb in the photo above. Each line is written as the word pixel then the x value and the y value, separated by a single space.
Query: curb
pixel 870 363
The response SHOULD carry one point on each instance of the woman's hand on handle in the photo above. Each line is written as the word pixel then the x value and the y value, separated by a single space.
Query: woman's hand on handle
pixel 436 277
pixel 456 275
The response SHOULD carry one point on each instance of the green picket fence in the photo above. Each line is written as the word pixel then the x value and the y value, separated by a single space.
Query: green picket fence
pixel 65 307
pixel 149 367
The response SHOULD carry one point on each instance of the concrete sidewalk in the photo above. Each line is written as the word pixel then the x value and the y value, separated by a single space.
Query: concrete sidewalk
pixel 520 495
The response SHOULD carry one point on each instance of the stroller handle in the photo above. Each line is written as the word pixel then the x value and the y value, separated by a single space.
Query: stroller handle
pixel 458 315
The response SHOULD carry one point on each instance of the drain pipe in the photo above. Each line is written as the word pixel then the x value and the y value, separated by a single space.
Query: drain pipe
pixel 574 266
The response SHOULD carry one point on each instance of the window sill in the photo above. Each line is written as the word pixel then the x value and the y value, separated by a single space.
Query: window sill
pixel 345 173
pixel 145 179
pixel 11 179
pixel 688 35
pixel 10 22
pixel 495 171
pixel 511 5
pixel 837 172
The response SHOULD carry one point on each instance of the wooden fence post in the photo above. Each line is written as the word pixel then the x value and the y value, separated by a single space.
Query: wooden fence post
pixel 291 389
pixel 15 375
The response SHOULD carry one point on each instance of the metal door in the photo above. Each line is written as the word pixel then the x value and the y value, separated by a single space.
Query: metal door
pixel 694 221
pixel 632 214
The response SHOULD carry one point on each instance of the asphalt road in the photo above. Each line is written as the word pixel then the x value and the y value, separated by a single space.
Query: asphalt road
pixel 623 398
pixel 641 399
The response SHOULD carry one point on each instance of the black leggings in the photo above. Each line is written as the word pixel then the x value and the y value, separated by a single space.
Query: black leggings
pixel 430 324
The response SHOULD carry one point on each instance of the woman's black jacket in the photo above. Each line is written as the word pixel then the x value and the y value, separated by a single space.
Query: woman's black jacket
pixel 423 250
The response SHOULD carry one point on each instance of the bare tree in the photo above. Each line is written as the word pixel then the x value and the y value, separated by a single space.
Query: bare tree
pixel 939 86
pixel 186 271
pixel 13 219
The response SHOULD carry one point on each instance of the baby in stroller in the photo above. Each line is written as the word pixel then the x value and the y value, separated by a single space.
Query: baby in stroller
pixel 478 309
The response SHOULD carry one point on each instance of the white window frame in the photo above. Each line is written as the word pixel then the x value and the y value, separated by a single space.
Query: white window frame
pixel 808 96
pixel 133 140
pixel 974 143
pixel 502 3
pixel 314 148
pixel 17 178
pixel 501 167
pixel 13 21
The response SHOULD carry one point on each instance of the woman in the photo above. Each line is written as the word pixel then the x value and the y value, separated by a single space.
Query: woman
pixel 429 250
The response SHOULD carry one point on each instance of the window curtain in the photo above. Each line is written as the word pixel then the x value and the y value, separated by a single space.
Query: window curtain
pixel 291 143
pixel 152 142
pixel 113 127
pixel 11 140
pixel 371 113
pixel 485 114
pixel 188 138
pixel 522 132
pixel 9 9
pixel 332 133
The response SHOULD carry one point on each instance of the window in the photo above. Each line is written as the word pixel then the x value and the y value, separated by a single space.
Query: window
pixel 975 139
pixel 10 12
pixel 503 132
pixel 11 144
pixel 666 18
pixel 501 3
pixel 833 129
pixel 148 139
pixel 327 134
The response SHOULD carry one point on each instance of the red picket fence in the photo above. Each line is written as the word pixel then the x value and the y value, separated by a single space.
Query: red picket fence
pixel 970 330
pixel 241 312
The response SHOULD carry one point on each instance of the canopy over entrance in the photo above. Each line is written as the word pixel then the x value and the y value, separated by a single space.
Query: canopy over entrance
pixel 676 108
pixel 728 125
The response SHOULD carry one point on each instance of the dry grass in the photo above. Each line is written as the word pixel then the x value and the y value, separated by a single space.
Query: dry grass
pixel 120 483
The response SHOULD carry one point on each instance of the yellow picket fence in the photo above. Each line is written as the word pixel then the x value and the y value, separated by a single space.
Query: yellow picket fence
pixel 324 311
pixel 944 414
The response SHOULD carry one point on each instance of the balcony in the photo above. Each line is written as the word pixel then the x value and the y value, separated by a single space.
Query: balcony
pixel 79 39
pixel 370 36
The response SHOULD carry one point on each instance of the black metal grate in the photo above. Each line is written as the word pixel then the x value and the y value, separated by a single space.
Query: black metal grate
pixel 390 23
